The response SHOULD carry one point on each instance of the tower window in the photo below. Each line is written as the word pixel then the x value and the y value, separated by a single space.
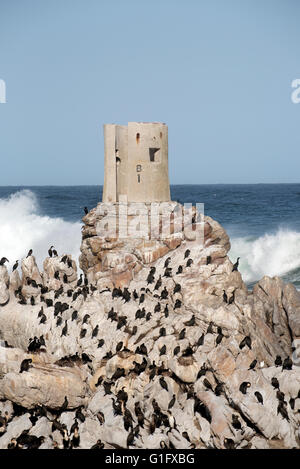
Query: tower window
pixel 152 152
pixel 139 178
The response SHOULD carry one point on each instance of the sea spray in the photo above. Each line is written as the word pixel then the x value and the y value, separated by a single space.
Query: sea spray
pixel 270 254
pixel 23 227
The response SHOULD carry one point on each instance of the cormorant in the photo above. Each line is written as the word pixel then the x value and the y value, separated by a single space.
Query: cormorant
pixel 259 397
pixel 253 365
pixel 3 260
pixel 163 383
pixel 25 365
pixel 278 360
pixel 187 253
pixel 275 383
pixel 236 423
pixel 244 386
pixel 236 265
pixel 172 402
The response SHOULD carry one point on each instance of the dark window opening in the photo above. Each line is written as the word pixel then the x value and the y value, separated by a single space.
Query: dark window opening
pixel 118 159
pixel 152 152
pixel 137 138
pixel 139 178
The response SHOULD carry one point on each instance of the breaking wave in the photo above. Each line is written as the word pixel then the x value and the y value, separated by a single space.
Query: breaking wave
pixel 271 254
pixel 23 227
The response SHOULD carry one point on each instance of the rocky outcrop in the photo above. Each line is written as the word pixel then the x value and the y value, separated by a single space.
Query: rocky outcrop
pixel 182 358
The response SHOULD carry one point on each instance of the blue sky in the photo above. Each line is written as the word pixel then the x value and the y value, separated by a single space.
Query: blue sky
pixel 218 72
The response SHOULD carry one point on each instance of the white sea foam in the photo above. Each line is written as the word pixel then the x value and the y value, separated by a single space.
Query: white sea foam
pixel 271 254
pixel 23 228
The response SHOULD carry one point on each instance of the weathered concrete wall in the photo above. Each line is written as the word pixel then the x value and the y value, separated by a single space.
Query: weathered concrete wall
pixel 109 186
pixel 136 162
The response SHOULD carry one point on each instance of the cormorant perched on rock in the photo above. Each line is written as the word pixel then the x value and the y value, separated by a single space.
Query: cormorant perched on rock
pixel 25 365
pixel 176 350
pixel 164 294
pixel 100 343
pixel 172 402
pixel 142 298
pixel 167 262
pixel 64 405
pixel 236 423
pixel 79 282
pixel 119 373
pixel 287 364
pixel 191 322
pixel 59 321
pixel 232 298
pixel 79 415
pixel 95 331
pixel 182 334
pixel 163 383
pixel 163 350
pixel 219 338
pixel 246 341
pixel 65 329
pixel 177 304
pixel 119 346
pixel 86 210
pixel 275 383
pixel 3 260
pixel 179 270
pixel 158 283
pixel 16 265
pixel 177 288
pixel 259 397
pixel 229 443
pixel 208 260
pixel 253 365
pixel 98 445
pixel 236 265
pixel 64 259
pixel 85 318
pixel 189 262
pixel 281 409
pixel 29 253
pixel 278 360
pixel 187 253
pixel 50 252
pixel 219 389
pixel 244 386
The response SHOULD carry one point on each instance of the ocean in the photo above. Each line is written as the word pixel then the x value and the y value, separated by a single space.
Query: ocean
pixel 262 220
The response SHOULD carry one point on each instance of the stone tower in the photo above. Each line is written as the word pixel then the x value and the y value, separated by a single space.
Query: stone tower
pixel 136 163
